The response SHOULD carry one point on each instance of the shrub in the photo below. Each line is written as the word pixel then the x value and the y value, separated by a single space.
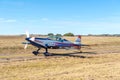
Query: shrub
pixel 69 34
pixel 50 34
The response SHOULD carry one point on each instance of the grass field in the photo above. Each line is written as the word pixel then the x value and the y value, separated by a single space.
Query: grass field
pixel 100 61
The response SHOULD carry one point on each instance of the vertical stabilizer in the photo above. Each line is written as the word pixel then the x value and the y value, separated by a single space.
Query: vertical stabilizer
pixel 78 40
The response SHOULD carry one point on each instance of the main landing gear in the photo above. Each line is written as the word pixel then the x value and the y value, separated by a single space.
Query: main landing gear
pixel 36 52
pixel 45 53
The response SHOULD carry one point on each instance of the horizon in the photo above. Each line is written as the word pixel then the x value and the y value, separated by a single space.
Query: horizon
pixel 60 16
pixel 61 34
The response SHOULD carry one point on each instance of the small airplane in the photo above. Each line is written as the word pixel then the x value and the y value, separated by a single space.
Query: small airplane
pixel 52 42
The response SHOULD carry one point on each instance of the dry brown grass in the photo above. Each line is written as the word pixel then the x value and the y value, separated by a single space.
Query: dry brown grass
pixel 97 62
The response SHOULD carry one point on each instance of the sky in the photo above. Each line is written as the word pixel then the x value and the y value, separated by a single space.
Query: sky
pixel 59 16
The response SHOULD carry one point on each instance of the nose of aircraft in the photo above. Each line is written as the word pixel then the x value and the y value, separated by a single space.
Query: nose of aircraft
pixel 27 39
pixel 30 39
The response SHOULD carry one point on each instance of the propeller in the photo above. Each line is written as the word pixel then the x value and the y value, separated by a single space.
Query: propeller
pixel 26 45
pixel 27 34
pixel 29 39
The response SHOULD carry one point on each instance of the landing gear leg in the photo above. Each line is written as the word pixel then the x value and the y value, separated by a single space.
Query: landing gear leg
pixel 46 53
pixel 36 52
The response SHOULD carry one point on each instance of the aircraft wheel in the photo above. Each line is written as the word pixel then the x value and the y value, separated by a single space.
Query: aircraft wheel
pixel 35 53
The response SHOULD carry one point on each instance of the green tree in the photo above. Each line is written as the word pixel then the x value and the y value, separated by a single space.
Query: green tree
pixel 59 35
pixel 69 34
pixel 50 34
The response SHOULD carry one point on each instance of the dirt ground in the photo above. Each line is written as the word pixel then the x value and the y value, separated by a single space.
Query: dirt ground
pixel 99 61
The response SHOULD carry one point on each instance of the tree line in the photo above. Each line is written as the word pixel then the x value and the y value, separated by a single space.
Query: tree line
pixel 66 34
pixel 71 34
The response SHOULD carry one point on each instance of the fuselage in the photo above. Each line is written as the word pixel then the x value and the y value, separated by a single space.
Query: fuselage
pixel 49 43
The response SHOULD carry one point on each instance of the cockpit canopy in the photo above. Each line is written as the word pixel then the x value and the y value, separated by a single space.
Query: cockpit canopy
pixel 57 38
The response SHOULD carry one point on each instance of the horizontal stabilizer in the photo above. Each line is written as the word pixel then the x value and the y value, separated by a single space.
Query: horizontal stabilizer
pixel 84 45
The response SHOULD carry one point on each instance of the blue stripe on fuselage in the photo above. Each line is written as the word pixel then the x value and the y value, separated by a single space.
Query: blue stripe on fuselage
pixel 64 45
pixel 37 45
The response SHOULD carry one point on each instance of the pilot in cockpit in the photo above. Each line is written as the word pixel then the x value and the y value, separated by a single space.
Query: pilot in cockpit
pixel 60 39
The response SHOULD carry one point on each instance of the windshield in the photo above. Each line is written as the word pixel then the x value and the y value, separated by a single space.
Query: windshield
pixel 57 38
